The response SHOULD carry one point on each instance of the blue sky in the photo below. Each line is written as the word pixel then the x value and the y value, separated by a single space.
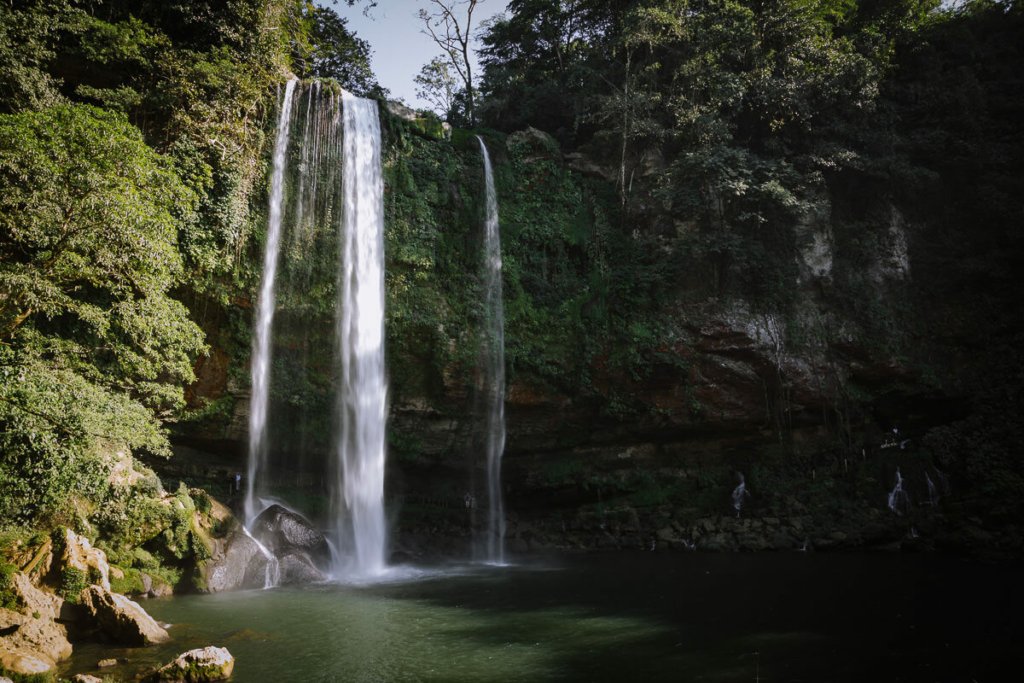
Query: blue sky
pixel 393 30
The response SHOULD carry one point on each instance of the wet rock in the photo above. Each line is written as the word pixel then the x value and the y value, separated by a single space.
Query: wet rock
pixel 241 565
pixel 85 678
pixel 120 619
pixel 296 567
pixel 197 666
pixel 284 532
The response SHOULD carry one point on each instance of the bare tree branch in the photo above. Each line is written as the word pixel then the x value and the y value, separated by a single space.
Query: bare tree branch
pixel 442 25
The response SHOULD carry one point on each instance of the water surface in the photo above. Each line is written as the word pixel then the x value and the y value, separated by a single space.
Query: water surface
pixel 621 617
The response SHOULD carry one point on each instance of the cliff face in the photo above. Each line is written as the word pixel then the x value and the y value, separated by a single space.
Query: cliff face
pixel 640 391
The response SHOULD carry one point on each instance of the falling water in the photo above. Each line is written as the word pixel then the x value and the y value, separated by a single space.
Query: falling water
pixel 260 366
pixel 899 501
pixel 358 497
pixel 739 493
pixel 933 492
pixel 494 368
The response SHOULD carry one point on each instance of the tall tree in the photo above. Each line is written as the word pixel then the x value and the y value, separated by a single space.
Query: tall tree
pixel 437 84
pixel 449 23
pixel 338 53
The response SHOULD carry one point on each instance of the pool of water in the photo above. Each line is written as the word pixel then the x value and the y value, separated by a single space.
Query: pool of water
pixel 618 617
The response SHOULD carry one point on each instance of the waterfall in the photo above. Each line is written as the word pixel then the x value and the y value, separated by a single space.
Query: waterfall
pixel 334 199
pixel 739 494
pixel 358 495
pixel 260 364
pixel 899 500
pixel 494 368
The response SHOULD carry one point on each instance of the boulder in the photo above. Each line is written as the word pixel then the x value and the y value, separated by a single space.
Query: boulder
pixel 120 619
pixel 79 554
pixel 296 567
pixel 241 565
pixel 85 678
pixel 581 163
pixel 195 666
pixel 31 641
pixel 401 110
pixel 32 600
pixel 154 587
pixel 535 144
pixel 284 532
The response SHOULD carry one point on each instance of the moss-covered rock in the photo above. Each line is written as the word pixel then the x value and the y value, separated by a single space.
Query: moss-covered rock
pixel 197 666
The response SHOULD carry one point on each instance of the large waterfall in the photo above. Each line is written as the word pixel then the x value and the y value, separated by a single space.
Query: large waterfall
pixel 325 225
pixel 494 368
pixel 358 497
pixel 260 366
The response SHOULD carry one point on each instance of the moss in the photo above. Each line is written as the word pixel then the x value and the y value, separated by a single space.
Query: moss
pixel 48 677
pixel 8 600
pixel 431 128
pixel 130 583
pixel 72 583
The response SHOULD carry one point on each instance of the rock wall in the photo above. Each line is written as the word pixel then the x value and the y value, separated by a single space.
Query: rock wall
pixel 618 344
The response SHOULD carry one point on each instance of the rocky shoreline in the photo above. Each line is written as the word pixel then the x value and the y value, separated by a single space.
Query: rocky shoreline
pixel 62 597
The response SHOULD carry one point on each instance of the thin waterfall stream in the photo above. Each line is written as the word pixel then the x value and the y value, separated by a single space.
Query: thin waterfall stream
pixel 494 368
pixel 261 347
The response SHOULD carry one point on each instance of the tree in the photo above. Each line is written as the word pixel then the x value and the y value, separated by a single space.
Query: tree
pixel 452 36
pixel 338 53
pixel 94 349
pixel 437 85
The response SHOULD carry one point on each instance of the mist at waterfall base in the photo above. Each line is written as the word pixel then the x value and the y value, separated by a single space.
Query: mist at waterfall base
pixel 627 616
pixel 319 370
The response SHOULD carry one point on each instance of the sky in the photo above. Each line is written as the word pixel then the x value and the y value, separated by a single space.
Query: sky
pixel 393 30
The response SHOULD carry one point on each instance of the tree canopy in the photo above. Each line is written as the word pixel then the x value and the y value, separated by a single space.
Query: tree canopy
pixel 94 347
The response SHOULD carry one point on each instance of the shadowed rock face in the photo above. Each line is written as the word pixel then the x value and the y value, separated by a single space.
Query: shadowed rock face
pixel 242 565
pixel 303 554
pixel 286 533
pixel 31 641
pixel 120 619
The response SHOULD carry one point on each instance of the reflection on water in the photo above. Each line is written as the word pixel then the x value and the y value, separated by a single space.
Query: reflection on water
pixel 647 617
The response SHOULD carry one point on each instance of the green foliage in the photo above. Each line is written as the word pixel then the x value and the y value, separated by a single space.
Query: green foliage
pixel 96 349
pixel 131 584
pixel 72 582
pixel 8 600
pixel 337 53
pixel 47 677
pixel 436 83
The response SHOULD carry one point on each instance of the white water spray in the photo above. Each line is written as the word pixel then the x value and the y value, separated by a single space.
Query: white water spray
pixel 739 494
pixel 358 496
pixel 260 365
pixel 899 501
pixel 494 367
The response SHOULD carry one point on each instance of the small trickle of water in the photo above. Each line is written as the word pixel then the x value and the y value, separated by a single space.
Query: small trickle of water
pixel 358 498
pixel 739 494
pixel 260 365
pixel 899 501
pixel 933 492
pixel 494 367
pixel 272 572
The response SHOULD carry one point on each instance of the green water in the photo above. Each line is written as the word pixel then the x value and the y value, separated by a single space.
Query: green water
pixel 623 617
